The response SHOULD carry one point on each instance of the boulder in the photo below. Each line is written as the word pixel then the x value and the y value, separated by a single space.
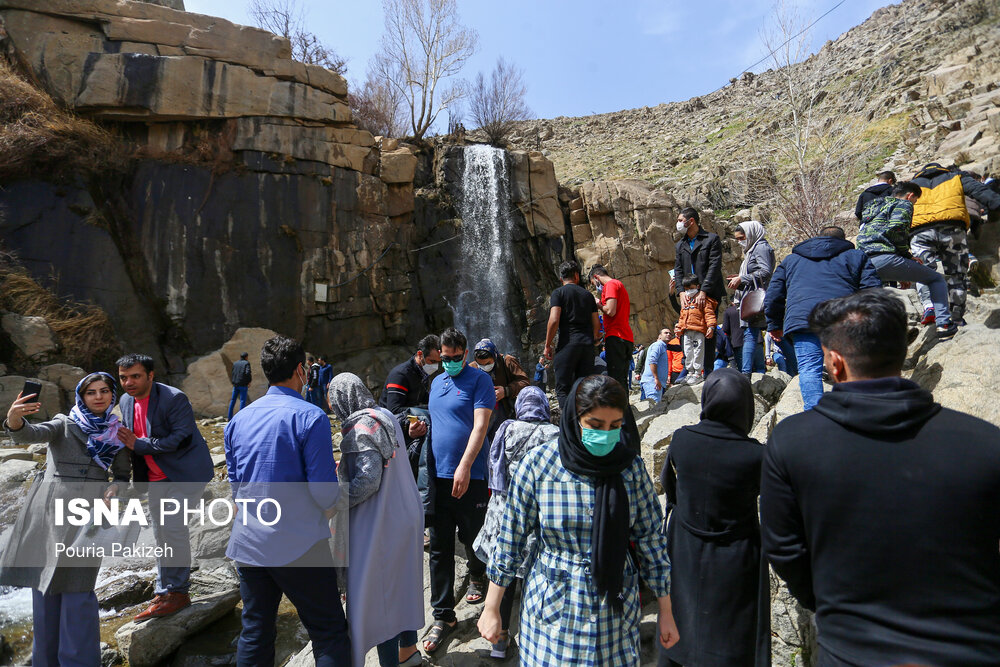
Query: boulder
pixel 125 591
pixel 964 373
pixel 63 375
pixel 660 432
pixel 208 383
pixel 790 402
pixel 398 166
pixel 51 398
pixel 16 472
pixel 148 643
pixel 546 215
pixel 793 632
pixel 31 335
pixel 771 385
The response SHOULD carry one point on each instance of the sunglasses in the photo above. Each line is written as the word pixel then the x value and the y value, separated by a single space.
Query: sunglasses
pixel 483 355
pixel 457 357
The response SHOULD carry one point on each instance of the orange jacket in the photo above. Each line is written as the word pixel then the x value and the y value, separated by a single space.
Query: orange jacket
pixel 698 319
pixel 675 359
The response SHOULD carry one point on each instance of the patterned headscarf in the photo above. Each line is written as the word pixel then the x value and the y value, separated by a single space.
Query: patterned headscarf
pixel 531 406
pixel 353 404
pixel 489 346
pixel 101 431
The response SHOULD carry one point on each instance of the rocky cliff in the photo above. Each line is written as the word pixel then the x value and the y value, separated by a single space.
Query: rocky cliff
pixel 246 198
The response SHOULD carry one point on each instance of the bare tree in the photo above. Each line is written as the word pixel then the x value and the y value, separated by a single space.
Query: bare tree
pixel 286 18
pixel 423 46
pixel 498 103
pixel 814 150
pixel 377 106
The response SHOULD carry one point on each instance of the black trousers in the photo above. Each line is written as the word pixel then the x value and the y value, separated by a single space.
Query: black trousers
pixel 572 362
pixel 313 591
pixel 710 351
pixel 618 354
pixel 467 515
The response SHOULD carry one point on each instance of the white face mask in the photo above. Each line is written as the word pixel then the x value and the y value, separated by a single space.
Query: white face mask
pixel 681 226
pixel 488 367
pixel 743 243
pixel 691 292
pixel 431 369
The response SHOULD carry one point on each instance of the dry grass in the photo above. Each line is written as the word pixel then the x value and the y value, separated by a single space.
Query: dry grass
pixel 39 137
pixel 84 331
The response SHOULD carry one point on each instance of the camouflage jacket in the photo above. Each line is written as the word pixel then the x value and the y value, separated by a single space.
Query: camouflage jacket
pixel 885 227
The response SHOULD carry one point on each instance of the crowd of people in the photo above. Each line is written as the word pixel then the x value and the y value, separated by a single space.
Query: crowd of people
pixel 877 506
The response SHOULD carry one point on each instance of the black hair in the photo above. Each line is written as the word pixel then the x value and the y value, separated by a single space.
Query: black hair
pixel 691 214
pixel 244 355
pixel 279 357
pixel 452 337
pixel 130 360
pixel 600 391
pixel 906 188
pixel 598 270
pixel 91 379
pixel 886 176
pixel 833 231
pixel 428 344
pixel 568 269
pixel 690 279
pixel 310 359
pixel 868 328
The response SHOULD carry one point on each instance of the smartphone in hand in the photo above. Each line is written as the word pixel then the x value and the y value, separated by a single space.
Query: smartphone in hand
pixel 32 387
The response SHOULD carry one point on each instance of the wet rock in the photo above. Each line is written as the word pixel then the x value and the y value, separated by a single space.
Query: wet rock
pixel 15 453
pixel 125 591
pixel 31 335
pixel 148 643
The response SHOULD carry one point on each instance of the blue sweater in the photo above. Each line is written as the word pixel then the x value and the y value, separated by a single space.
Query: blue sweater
pixel 819 269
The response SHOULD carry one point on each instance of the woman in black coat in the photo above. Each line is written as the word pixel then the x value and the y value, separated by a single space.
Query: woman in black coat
pixel 720 590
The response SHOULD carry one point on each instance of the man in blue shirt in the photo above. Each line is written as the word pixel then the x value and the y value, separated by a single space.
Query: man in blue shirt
pixel 272 444
pixel 656 373
pixel 461 401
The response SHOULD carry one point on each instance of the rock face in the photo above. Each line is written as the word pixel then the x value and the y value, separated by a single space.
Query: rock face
pixel 31 335
pixel 147 643
pixel 51 397
pixel 304 224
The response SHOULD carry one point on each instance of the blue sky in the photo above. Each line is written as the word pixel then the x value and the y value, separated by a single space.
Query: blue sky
pixel 586 56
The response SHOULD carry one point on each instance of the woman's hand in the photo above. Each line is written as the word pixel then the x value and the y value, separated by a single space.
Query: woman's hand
pixel 21 407
pixel 734 282
pixel 665 621
pixel 418 429
pixel 489 625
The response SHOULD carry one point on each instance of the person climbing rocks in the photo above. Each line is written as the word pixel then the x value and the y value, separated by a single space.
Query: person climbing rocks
pixel 886 181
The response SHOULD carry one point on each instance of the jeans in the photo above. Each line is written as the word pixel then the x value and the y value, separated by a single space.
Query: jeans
pixel 720 363
pixel 467 515
pixel 313 591
pixel 67 630
pixel 618 353
pixel 173 572
pixel 894 267
pixel 650 392
pixel 388 651
pixel 244 397
pixel 779 361
pixel 572 362
pixel 809 355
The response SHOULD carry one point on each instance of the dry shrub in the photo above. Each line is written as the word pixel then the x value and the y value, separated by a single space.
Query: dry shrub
pixel 38 137
pixel 84 331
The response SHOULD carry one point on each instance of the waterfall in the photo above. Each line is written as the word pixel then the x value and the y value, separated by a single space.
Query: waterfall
pixel 481 309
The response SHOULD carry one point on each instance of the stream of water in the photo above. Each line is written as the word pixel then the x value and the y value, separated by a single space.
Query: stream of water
pixel 481 308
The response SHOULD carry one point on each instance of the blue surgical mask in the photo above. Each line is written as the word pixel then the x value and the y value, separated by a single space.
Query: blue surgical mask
pixel 600 443
pixel 452 368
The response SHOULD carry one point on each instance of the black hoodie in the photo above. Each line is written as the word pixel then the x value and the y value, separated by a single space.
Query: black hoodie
pixel 870 195
pixel 881 510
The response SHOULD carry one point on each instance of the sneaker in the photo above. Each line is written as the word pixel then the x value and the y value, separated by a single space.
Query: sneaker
pixel 929 317
pixel 947 332
pixel 169 603
pixel 697 379
pixel 972 261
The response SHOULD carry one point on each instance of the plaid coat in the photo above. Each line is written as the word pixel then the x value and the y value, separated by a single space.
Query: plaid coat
pixel 563 620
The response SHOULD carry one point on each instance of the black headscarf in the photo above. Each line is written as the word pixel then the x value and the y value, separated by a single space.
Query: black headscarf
pixel 610 532
pixel 727 397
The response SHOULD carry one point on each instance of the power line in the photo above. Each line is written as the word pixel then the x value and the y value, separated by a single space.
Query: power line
pixel 799 34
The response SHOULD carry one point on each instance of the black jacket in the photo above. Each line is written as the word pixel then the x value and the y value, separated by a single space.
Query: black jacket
pixel 241 373
pixel 405 387
pixel 870 195
pixel 880 509
pixel 704 261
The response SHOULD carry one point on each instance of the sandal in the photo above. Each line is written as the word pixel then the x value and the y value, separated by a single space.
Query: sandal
pixel 438 633
pixel 477 590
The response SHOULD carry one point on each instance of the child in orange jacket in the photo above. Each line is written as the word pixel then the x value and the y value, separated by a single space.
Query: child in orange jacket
pixel 697 323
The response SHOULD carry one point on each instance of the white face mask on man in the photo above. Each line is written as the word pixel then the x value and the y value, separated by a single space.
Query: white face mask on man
pixel 488 367
pixel 431 369
pixel 681 225
pixel 743 243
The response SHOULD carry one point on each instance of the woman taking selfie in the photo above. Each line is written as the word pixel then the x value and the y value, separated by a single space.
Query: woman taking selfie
pixel 586 496
pixel 82 448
